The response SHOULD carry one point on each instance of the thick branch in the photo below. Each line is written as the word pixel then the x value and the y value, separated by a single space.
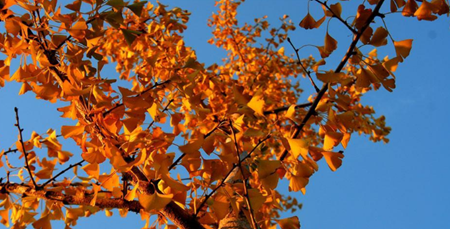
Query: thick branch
pixel 22 189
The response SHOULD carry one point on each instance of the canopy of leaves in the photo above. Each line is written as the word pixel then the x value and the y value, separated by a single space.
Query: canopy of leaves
pixel 234 129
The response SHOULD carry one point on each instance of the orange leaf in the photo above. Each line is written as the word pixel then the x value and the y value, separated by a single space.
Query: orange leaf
pixel 410 8
pixel 257 104
pixel 379 37
pixel 298 147
pixel 70 131
pixel 193 146
pixel 402 48
pixel 154 202
pixel 332 139
pixel 334 160
pixel 289 223
pixel 425 12
pixel 309 22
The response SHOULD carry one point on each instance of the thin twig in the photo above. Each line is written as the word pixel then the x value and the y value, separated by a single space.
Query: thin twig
pixel 229 173
pixel 139 94
pixel 183 155
pixel 339 68
pixel 299 62
pixel 165 109
pixel 244 178
pixel 337 16
pixel 10 151
pixel 62 172
pixel 27 165
pixel 281 109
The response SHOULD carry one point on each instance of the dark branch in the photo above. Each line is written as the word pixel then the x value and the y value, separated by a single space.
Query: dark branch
pixel 339 68
pixel 27 165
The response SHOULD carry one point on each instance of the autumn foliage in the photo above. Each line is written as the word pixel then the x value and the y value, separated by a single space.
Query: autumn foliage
pixel 234 129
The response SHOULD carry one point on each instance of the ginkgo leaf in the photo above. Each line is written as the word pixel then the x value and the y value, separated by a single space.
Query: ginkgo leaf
pixel 332 139
pixel 334 160
pixel 43 223
pixel 70 131
pixel 289 223
pixel 257 199
pixel 424 12
pixel 298 147
pixel 297 183
pixel 402 48
pixel 290 113
pixel 93 170
pixel 330 43
pixel 132 194
pixel 154 202
pixel 137 7
pixel 74 6
pixel 257 104
pixel 78 30
pixel 130 35
pixel 109 181
pixel 193 146
pixel 379 37
pixel 309 22
pixel 410 8
pixel 221 206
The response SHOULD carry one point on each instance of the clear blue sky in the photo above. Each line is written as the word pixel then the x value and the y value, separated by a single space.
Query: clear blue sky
pixel 403 184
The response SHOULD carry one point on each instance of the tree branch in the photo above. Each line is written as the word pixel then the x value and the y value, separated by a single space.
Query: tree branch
pixel 339 68
pixel 281 109
pixel 299 62
pixel 244 179
pixel 27 165
pixel 337 16
pixel 62 172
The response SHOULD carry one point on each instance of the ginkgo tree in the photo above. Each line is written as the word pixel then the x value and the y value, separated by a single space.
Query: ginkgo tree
pixel 234 128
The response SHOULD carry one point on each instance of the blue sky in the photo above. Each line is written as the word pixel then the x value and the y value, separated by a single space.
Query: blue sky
pixel 402 184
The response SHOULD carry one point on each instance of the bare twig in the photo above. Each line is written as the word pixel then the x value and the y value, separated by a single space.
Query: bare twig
pixel 165 109
pixel 183 155
pixel 27 165
pixel 281 109
pixel 299 62
pixel 244 178
pixel 139 94
pixel 339 68
pixel 337 16
pixel 62 172
pixel 229 173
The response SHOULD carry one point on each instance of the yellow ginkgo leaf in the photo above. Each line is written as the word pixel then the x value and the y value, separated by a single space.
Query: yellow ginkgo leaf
pixel 330 43
pixel 297 183
pixel 154 202
pixel 379 37
pixel 221 205
pixel 425 12
pixel 193 146
pixel 92 170
pixel 332 139
pixel 334 160
pixel 42 223
pixel 78 31
pixel 410 8
pixel 289 223
pixel 309 22
pixel 290 113
pixel 132 194
pixel 70 131
pixel 402 48
pixel 257 104
pixel 298 147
